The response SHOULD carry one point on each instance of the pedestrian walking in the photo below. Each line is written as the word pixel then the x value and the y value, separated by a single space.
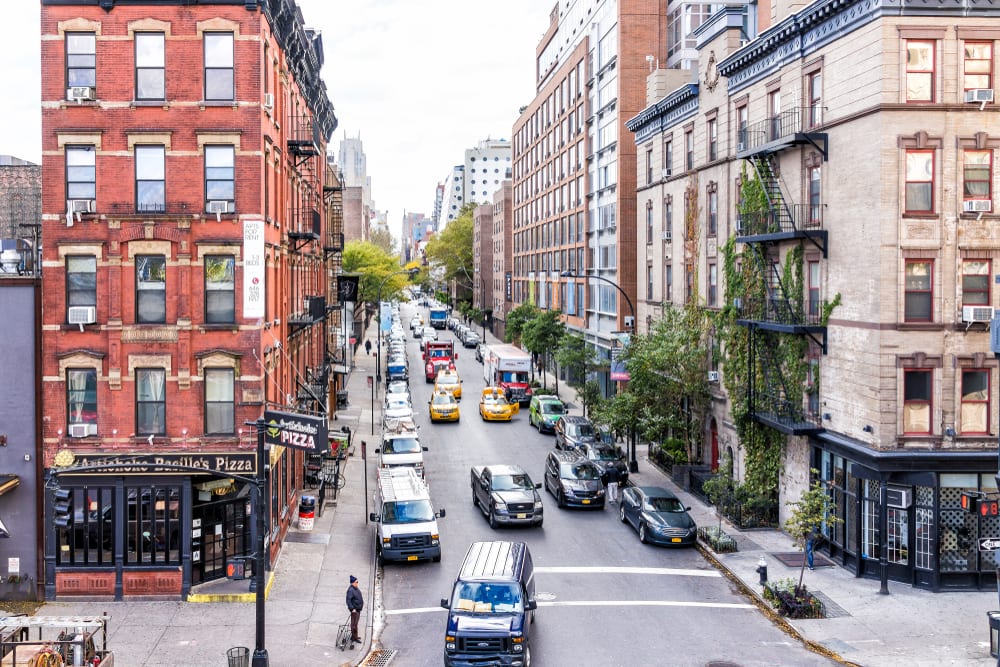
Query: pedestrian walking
pixel 612 478
pixel 355 603
pixel 810 548
pixel 368 347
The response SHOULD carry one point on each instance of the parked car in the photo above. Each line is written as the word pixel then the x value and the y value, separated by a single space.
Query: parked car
pixel 471 339
pixel 493 406
pixel 658 515
pixel 480 352
pixel 544 411
pixel 607 456
pixel 573 479
pixel 443 407
pixel 572 431
pixel 398 408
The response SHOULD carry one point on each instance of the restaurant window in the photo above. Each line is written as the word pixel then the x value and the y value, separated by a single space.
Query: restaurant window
pixel 219 405
pixel 919 294
pixel 88 539
pixel 919 71
pixel 150 401
pixel 153 525
pixel 975 401
pixel 923 542
pixel 871 543
pixel 917 403
pixel 976 282
pixel 151 289
pixel 220 289
pixel 81 401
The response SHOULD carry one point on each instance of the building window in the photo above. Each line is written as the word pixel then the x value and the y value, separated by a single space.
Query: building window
pixel 81 172
pixel 153 530
pixel 219 78
pixel 978 65
pixel 668 157
pixel 688 283
pixel 975 401
pixel 713 212
pixel 976 282
pixel 81 280
pixel 815 192
pixel 649 222
pixel 689 150
pixel 81 398
pixel 150 289
pixel 917 402
pixel 919 181
pixel 649 166
pixel 668 220
pixel 919 293
pixel 220 289
pixel 150 183
pixel 774 107
pixel 150 82
pixel 220 175
pixel 813 276
pixel 977 175
pixel 668 283
pixel 815 91
pixel 150 401
pixel 713 285
pixel 742 119
pixel 649 281
pixel 919 71
pixel 81 59
pixel 219 405
pixel 713 139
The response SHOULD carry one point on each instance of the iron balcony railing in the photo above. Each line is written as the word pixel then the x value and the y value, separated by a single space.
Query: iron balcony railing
pixel 784 218
pixel 782 311
pixel 783 125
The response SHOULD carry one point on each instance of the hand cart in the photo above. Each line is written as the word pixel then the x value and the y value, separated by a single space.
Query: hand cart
pixel 344 634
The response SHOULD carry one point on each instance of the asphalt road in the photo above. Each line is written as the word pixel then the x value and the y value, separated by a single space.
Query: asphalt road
pixel 604 598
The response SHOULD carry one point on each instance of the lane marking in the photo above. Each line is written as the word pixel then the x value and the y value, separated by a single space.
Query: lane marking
pixel 596 603
pixel 629 570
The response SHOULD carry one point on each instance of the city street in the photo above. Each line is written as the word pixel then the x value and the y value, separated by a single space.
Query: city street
pixel 604 598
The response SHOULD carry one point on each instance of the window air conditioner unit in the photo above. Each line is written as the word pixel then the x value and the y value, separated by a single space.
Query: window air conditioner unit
pixel 665 173
pixel 82 205
pixel 220 206
pixel 977 95
pixel 713 376
pixel 977 313
pixel 666 236
pixel 81 430
pixel 81 314
pixel 977 205
pixel 268 101
pixel 81 93
pixel 898 497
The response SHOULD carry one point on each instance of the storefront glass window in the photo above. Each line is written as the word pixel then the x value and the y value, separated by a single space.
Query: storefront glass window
pixel 153 527
pixel 898 533
pixel 851 511
pixel 989 526
pixel 89 537
pixel 870 542
pixel 923 539
pixel 958 527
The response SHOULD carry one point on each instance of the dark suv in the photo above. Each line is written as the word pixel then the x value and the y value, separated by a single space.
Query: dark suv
pixel 573 431
pixel 574 480
pixel 607 456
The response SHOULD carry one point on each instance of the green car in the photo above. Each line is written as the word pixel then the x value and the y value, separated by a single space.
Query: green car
pixel 544 412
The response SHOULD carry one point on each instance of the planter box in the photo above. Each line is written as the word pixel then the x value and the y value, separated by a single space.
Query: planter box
pixel 718 540
pixel 793 601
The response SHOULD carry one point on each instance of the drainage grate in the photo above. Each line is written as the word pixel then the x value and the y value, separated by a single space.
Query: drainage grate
pixel 379 658
pixel 830 608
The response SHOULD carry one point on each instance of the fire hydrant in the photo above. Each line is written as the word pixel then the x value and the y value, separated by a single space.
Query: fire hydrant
pixel 762 570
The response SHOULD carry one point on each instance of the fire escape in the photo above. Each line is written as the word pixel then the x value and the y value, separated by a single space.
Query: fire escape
pixel 773 401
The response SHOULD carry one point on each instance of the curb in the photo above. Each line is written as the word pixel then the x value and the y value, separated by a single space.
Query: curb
pixel 234 597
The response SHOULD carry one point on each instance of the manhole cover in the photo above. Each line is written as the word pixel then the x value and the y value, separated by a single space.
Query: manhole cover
pixel 380 657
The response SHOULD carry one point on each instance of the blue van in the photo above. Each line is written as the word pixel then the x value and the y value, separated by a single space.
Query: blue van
pixel 492 607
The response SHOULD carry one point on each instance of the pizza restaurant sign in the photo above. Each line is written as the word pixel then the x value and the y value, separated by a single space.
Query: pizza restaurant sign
pixel 238 463
pixel 297 431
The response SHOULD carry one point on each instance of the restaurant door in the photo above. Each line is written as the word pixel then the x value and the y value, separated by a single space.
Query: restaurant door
pixel 220 531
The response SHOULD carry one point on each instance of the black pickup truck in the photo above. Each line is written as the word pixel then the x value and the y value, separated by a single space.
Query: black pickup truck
pixel 506 495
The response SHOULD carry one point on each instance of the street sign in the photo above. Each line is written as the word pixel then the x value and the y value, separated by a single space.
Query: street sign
pixel 989 543
pixel 296 431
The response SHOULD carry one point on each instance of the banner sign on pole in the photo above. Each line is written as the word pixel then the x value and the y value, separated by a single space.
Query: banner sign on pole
pixel 296 431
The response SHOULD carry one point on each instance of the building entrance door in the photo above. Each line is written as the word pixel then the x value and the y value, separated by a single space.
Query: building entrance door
pixel 221 532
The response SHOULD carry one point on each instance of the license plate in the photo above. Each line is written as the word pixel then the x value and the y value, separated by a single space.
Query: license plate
pixel 675 539
pixel 415 558
pixel 586 502
pixel 522 516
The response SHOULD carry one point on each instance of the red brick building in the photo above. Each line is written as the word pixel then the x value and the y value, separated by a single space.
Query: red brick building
pixel 186 264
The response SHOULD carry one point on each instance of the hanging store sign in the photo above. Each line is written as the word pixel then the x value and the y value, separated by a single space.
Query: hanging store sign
pixel 239 463
pixel 253 269
pixel 287 429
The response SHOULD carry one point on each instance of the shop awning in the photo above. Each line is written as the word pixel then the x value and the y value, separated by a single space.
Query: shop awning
pixel 8 483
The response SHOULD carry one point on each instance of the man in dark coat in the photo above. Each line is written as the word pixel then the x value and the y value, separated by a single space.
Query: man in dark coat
pixel 355 603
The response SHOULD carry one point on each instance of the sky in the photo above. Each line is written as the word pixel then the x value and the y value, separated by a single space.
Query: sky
pixel 418 80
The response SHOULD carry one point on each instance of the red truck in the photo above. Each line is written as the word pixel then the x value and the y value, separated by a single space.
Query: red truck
pixel 438 354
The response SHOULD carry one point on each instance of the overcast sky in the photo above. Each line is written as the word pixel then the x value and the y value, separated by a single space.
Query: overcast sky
pixel 418 80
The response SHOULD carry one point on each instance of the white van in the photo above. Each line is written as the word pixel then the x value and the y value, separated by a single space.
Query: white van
pixel 405 521
pixel 401 446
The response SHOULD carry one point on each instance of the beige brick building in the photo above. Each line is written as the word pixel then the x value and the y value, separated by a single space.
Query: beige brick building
pixel 878 162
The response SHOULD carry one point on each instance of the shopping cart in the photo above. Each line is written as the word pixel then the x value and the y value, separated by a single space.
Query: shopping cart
pixel 344 635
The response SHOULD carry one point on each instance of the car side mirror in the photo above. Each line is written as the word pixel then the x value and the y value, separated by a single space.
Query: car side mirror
pixel 531 605
pixel 373 517
pixel 441 513
pixel 538 485
pixel 378 450
pixel 444 603
pixel 687 509
pixel 424 448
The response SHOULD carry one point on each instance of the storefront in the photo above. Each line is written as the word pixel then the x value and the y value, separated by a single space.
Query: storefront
pixel 906 504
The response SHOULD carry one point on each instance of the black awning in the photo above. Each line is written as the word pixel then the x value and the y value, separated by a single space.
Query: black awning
pixel 8 483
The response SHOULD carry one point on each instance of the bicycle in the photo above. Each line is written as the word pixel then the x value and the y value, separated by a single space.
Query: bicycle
pixel 335 478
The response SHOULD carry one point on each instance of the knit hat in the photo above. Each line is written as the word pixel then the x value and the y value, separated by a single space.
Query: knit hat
pixel 353 579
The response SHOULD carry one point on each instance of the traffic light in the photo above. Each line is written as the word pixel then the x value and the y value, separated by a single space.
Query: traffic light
pixel 970 501
pixel 989 507
pixel 62 508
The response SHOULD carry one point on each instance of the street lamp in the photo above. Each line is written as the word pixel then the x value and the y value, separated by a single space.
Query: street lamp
pixel 378 346
pixel 633 464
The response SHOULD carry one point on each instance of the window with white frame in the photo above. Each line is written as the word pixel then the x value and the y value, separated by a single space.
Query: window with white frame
pixel 81 398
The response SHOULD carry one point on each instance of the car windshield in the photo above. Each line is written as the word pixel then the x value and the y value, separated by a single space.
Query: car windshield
pixel 486 597
pixel 401 446
pixel 447 378
pixel 663 505
pixel 582 430
pixel 399 404
pixel 409 511
pixel 579 471
pixel 511 482
pixel 442 399
pixel 602 453
pixel 553 408
pixel 494 399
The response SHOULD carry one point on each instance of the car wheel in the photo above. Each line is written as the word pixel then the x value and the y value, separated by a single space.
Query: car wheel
pixel 436 559
pixel 642 533
pixel 475 499
pixel 527 656
pixel 493 519
pixel 621 510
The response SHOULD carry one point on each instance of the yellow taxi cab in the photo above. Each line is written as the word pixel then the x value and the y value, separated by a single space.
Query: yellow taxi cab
pixel 448 380
pixel 443 407
pixel 493 406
